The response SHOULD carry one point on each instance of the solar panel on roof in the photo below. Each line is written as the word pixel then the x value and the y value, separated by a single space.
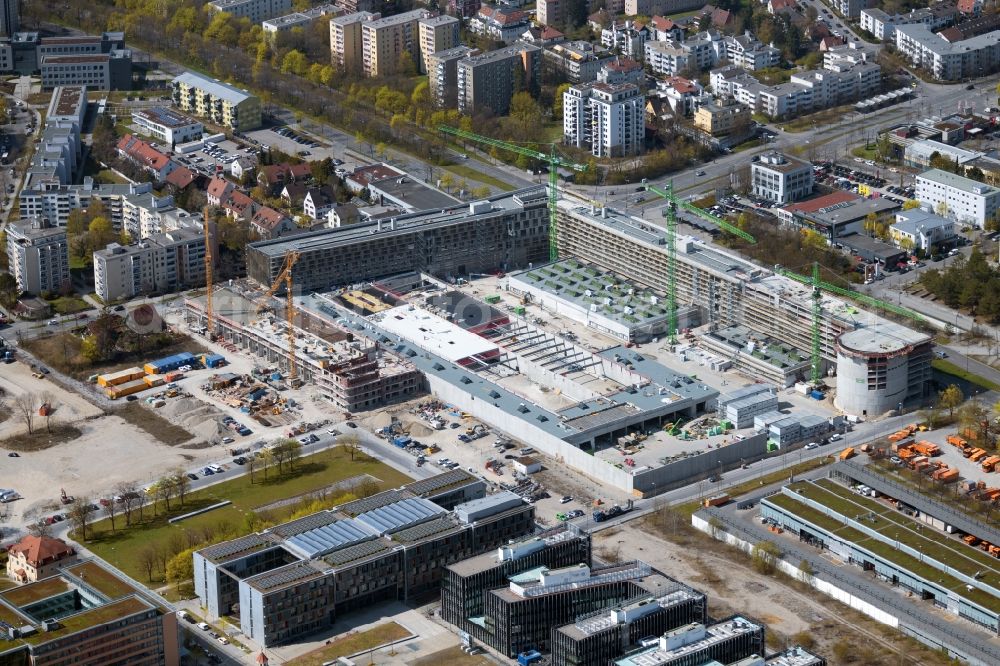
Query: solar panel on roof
pixel 424 530
pixel 402 514
pixel 310 522
pixel 228 548
pixel 284 576
pixel 324 539
pixel 355 552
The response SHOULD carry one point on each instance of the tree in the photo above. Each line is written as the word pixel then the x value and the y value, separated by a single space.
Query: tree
pixel 79 516
pixel 266 460
pixel 252 462
pixel 110 510
pixel 351 445
pixel 950 399
pixel 910 204
pixel 45 398
pixel 147 560
pixel 557 101
pixel 764 556
pixel 181 484
pixel 294 62
pixel 127 495
pixel 180 567
pixel 806 571
pixel 164 489
pixel 292 453
pixel 100 233
pixel 481 192
pixel 941 209
pixel 25 406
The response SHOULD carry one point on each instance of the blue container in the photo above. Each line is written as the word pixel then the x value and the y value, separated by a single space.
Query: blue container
pixel 817 395
pixel 529 657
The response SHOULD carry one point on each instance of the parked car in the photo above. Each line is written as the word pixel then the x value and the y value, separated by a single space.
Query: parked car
pixel 204 626
pixel 566 499
pixel 192 476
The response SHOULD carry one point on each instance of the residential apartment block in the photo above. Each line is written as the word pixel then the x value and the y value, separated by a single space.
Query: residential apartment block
pixel 437 33
pixel 255 10
pixel 609 119
pixel 780 178
pixel 722 117
pixel 442 74
pixel 55 201
pixel 850 8
pixel 86 615
pixel 948 60
pixel 38 256
pixel 386 42
pixel 283 24
pixel 505 24
pixel 883 25
pixel 707 49
pixel 661 7
pixel 626 38
pixel 220 102
pixel 961 199
pixel 839 82
pixel 577 61
pixel 345 40
pixel 145 157
pixel 99 71
pixel 486 82
pixel 160 263
pixel 59 151
pixel 300 577
pixel 166 125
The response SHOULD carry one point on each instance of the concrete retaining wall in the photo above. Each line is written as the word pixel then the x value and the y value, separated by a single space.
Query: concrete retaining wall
pixel 712 461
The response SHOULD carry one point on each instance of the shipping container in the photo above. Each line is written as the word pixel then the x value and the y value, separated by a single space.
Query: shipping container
pixel 154 380
pixel 120 377
pixel 128 388
pixel 717 500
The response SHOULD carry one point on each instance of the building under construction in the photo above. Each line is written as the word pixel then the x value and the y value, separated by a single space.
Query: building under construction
pixel 349 370
pixel 510 231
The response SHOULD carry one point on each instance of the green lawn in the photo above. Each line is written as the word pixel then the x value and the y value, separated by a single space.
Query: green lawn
pixel 865 152
pixel 81 263
pixel 469 173
pixel 69 305
pixel 122 548
pixel 352 644
pixel 950 368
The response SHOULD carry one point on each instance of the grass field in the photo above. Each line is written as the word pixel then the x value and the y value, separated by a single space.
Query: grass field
pixel 123 547
pixel 950 368
pixel 469 173
pixel 824 117
pixel 353 644
pixel 69 305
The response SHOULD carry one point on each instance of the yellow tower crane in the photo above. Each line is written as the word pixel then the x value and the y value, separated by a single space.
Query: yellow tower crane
pixel 285 277
pixel 209 315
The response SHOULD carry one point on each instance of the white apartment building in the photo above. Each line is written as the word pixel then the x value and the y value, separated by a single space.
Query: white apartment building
pixel 37 256
pixel 919 229
pixel 608 119
pixel 625 39
pixel 779 178
pixel 949 61
pixel 166 125
pixel 707 49
pixel 961 199
pixel 161 263
pixel 255 10
pixel 142 214
pixel 883 25
pixel 850 8
pixel 275 26
pixel 55 202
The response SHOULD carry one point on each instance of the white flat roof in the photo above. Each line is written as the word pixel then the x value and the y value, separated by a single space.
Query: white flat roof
pixel 429 331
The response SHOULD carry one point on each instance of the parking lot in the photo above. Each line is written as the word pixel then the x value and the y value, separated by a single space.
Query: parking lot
pixel 215 157
pixel 293 141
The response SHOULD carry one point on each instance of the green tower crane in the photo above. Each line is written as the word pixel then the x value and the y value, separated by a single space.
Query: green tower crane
pixel 819 286
pixel 554 161
pixel 673 203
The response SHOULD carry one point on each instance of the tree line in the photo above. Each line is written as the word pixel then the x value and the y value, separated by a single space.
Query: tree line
pixel 971 284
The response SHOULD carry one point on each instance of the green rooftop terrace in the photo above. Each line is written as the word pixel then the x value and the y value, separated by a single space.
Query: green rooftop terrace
pixel 592 289
pixel 895 526
pixel 101 580
pixel 32 592
pixel 887 552
pixel 90 618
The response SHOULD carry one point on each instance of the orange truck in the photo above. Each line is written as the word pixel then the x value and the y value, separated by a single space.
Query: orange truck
pixel 990 463
pixel 977 455
pixel 899 435
pixel 971 540
pixel 847 453
pixel 925 448
pixel 946 474
pixel 717 500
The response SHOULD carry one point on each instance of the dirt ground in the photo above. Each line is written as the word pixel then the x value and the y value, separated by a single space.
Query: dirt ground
pixel 792 615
